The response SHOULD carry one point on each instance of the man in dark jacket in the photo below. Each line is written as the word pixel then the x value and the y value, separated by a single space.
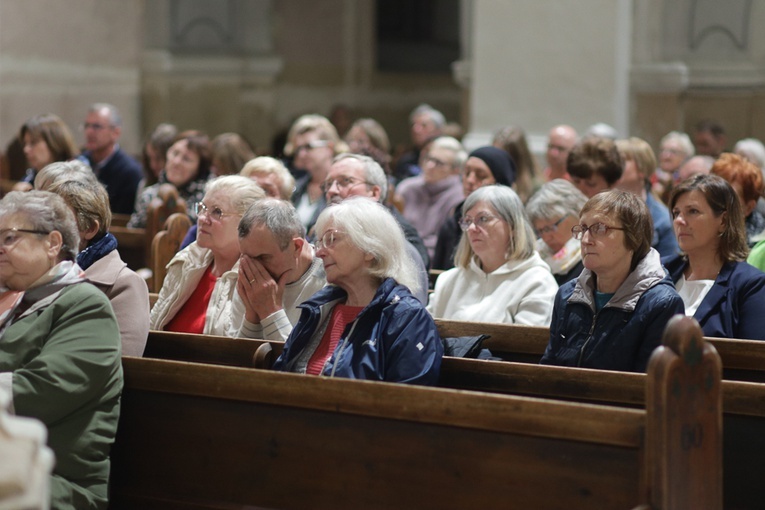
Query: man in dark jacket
pixel 117 171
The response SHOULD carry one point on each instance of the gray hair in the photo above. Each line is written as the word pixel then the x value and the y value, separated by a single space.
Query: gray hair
pixel 752 149
pixel 241 191
pixel 373 229
pixel 45 211
pixel 510 209
pixel 373 172
pixel 60 171
pixel 682 139
pixel 277 216
pixel 453 145
pixel 434 115
pixel 555 199
pixel 114 115
pixel 264 165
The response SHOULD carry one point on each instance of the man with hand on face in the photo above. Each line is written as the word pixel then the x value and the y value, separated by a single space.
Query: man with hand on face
pixel 354 175
pixel 278 270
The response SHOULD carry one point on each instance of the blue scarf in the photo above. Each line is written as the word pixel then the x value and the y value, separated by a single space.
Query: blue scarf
pixel 96 250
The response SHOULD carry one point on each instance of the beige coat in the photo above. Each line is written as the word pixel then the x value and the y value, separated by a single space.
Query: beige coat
pixel 184 273
pixel 129 297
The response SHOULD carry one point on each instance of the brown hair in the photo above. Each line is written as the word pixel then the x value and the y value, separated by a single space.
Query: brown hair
pixel 54 132
pixel 633 215
pixel 595 155
pixel 722 198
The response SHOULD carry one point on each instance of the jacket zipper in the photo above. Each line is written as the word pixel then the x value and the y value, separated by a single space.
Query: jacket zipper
pixel 589 337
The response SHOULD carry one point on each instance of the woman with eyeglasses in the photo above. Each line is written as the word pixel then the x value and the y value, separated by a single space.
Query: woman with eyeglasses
pixel 312 142
pixel 366 324
pixel 187 167
pixel 201 279
pixel 59 345
pixel 553 211
pixel 613 315
pixel 720 290
pixel 499 276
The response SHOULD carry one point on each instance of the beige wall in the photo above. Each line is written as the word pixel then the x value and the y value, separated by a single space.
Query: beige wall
pixel 61 56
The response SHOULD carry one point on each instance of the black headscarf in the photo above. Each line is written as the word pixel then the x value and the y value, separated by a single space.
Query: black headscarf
pixel 499 162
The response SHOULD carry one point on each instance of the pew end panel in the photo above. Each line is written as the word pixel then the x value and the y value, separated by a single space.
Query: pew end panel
pixel 685 429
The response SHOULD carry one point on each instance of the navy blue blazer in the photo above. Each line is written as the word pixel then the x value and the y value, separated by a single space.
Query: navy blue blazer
pixel 735 305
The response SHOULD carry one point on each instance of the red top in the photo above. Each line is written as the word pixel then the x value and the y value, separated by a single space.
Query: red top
pixel 191 317
pixel 342 315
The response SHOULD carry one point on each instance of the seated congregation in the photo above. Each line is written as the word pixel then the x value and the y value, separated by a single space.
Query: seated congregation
pixel 331 268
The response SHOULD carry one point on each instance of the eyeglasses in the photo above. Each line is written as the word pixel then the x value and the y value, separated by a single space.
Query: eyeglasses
pixel 596 230
pixel 435 161
pixel 315 144
pixel 551 228
pixel 479 222
pixel 328 239
pixel 343 183
pixel 94 126
pixel 216 213
pixel 10 236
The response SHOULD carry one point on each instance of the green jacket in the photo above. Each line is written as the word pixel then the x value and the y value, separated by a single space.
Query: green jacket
pixel 67 372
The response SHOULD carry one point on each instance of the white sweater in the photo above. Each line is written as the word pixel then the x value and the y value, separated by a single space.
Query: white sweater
pixel 518 292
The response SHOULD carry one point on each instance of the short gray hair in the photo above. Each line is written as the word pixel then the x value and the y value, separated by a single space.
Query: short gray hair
pixel 46 212
pixel 242 192
pixel 453 145
pixel 373 172
pixel 682 139
pixel 114 115
pixel 752 149
pixel 277 216
pixel 510 209
pixel 60 171
pixel 555 199
pixel 373 229
pixel 434 115
pixel 264 165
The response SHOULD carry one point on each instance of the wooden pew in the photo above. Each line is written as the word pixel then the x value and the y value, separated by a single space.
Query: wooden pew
pixel 165 245
pixel 742 359
pixel 205 436
pixel 744 403
pixel 131 243
pixel 120 220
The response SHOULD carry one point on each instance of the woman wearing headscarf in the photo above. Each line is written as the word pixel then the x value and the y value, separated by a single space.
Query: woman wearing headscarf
pixel 484 166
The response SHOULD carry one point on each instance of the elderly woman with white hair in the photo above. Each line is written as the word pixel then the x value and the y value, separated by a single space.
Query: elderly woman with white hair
pixel 365 324
pixel 675 148
pixel 498 275
pixel 553 210
pixel 201 279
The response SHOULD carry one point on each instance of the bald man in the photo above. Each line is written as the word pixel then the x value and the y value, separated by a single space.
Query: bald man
pixel 561 140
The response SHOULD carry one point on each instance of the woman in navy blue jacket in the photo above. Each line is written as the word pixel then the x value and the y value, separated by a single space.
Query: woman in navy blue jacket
pixel 366 324
pixel 613 315
pixel 720 290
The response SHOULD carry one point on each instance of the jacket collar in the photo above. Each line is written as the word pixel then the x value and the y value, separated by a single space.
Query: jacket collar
pixel 716 294
pixel 648 273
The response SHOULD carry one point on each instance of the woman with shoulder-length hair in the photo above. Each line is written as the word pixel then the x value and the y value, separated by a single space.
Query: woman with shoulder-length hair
pixel 720 290
pixel 613 316
pixel 498 274
pixel 45 139
pixel 366 324
pixel 59 345
pixel 201 279
pixel 99 257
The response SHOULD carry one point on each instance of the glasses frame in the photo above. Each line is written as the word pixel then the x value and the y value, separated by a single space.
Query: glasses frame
pixel 466 221
pixel 327 184
pixel 216 214
pixel 315 144
pixel 551 228
pixel 4 231
pixel 321 242
pixel 578 231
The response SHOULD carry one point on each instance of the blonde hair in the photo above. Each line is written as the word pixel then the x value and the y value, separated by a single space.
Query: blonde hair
pixel 265 165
